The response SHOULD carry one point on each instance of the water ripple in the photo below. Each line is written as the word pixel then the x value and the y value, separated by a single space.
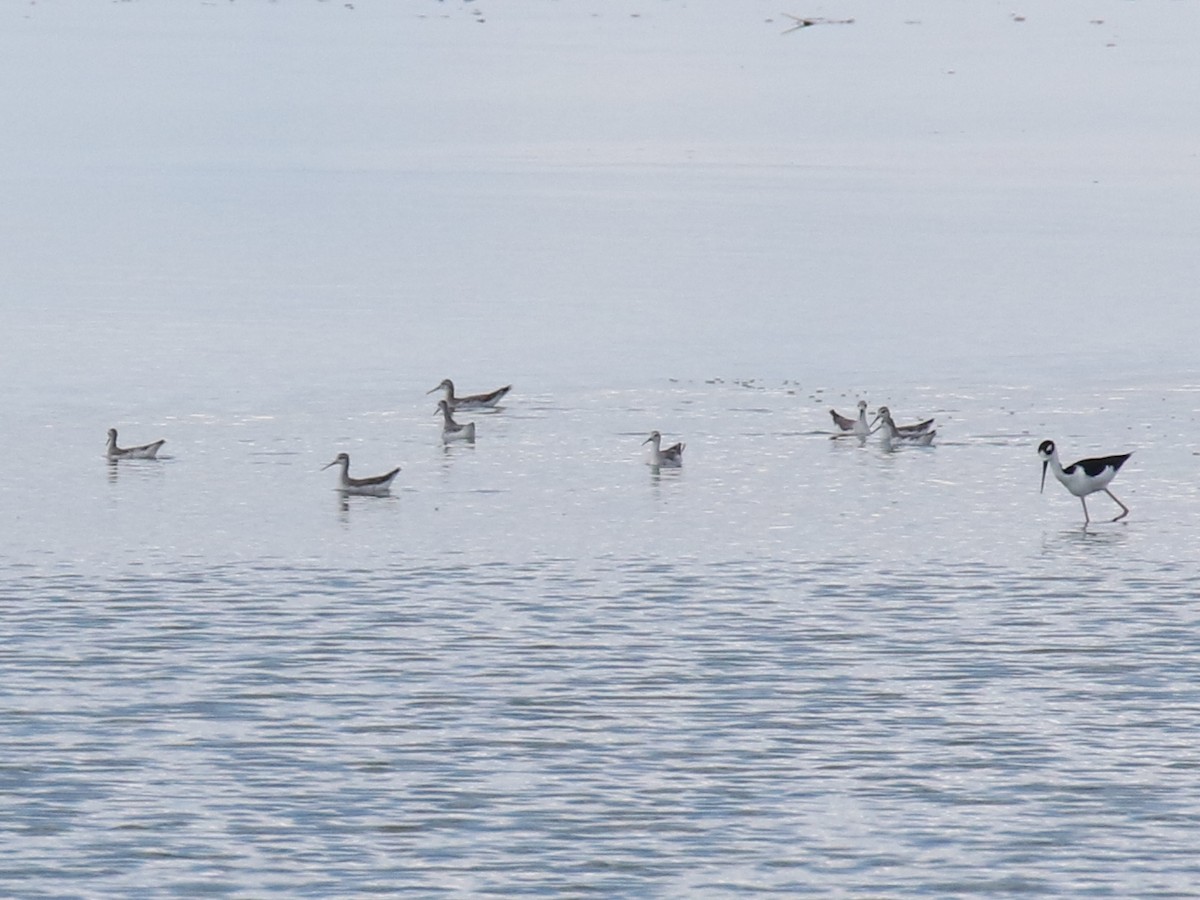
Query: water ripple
pixel 547 727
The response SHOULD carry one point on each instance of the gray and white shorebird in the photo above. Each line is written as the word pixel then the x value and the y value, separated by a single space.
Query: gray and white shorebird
pixel 852 427
pixel 665 457
pixel 375 486
pixel 1084 477
pixel 919 435
pixel 472 401
pixel 453 431
pixel 146 451
pixel 917 428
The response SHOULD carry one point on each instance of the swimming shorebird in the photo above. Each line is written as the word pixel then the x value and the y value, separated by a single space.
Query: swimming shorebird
pixel 1084 477
pixel 375 486
pixel 146 451
pixel 451 430
pixel 904 431
pixel 474 401
pixel 856 427
pixel 920 435
pixel 671 457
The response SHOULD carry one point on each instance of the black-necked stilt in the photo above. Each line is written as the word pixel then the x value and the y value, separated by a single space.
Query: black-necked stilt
pixel 856 427
pixel 474 401
pixel 1084 477
pixel 921 434
pixel 146 451
pixel 669 457
pixel 375 486
pixel 451 430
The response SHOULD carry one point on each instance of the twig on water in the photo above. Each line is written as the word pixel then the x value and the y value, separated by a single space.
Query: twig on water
pixel 806 22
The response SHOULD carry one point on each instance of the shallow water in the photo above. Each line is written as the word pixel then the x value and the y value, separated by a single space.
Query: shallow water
pixel 617 728
pixel 796 665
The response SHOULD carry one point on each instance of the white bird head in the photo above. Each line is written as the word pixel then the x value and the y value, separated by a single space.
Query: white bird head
pixel 343 458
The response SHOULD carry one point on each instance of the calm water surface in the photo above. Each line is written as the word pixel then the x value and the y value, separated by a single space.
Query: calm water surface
pixel 796 665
